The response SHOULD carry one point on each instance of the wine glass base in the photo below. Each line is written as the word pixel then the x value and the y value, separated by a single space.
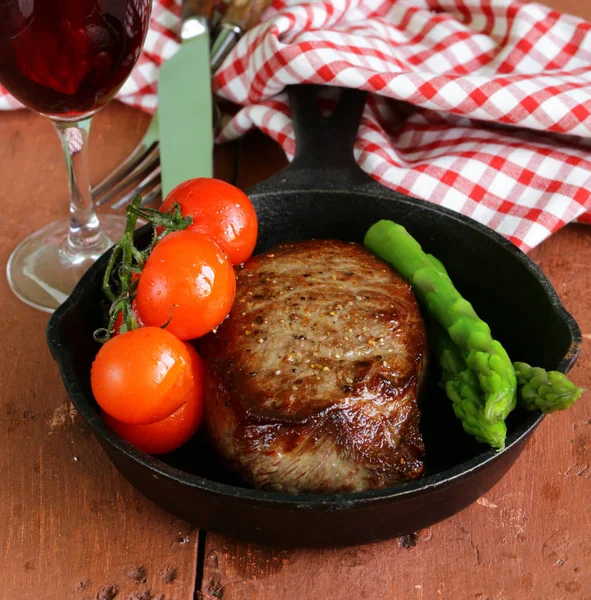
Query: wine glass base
pixel 41 274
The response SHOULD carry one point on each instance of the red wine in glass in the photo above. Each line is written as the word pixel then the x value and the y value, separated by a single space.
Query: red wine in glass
pixel 66 59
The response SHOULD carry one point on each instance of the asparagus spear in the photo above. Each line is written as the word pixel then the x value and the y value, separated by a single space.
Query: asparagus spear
pixel 538 389
pixel 483 355
pixel 462 388
pixel 547 391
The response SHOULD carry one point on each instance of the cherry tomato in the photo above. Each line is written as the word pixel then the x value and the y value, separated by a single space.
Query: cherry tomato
pixel 142 376
pixel 174 431
pixel 188 283
pixel 220 211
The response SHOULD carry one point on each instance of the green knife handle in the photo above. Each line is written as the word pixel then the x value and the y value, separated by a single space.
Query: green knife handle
pixel 246 13
pixel 196 9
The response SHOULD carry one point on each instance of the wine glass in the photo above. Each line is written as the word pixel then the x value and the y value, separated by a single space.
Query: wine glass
pixel 65 59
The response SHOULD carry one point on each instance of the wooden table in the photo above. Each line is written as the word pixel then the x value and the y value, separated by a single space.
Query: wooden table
pixel 71 527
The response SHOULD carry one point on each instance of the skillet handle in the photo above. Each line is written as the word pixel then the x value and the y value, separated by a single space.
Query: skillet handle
pixel 324 145
pixel 325 142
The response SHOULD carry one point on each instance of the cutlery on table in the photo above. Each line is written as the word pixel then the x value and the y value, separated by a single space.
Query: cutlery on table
pixel 143 164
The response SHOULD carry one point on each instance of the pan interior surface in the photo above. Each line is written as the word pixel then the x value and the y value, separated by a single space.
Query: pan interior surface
pixel 505 288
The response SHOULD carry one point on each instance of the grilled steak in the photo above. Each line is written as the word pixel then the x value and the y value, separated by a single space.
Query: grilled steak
pixel 314 376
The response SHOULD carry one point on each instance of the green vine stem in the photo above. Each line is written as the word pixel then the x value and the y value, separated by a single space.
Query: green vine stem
pixel 126 263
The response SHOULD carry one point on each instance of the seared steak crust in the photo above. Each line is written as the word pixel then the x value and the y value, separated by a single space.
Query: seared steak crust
pixel 314 375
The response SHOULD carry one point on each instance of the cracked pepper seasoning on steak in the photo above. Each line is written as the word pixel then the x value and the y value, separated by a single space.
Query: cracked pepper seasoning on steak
pixel 314 375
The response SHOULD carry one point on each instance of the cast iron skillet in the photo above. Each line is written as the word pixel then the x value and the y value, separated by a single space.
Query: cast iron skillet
pixel 323 194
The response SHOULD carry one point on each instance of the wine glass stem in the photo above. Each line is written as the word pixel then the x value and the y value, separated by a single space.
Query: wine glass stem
pixel 85 235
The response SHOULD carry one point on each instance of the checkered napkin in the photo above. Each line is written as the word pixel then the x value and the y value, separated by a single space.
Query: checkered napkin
pixel 495 118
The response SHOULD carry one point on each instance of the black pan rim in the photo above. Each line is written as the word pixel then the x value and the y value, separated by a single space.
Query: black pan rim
pixel 340 501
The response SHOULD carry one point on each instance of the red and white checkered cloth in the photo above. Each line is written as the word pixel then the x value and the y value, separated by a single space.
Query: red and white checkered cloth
pixel 501 129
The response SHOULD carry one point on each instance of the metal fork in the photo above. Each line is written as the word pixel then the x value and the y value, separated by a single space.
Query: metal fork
pixel 142 164
pixel 144 161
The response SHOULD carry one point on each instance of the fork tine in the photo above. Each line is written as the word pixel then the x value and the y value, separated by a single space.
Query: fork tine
pixel 142 186
pixel 147 165
pixel 137 156
pixel 149 198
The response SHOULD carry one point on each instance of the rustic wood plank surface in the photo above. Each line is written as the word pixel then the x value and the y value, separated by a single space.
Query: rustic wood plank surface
pixel 69 523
